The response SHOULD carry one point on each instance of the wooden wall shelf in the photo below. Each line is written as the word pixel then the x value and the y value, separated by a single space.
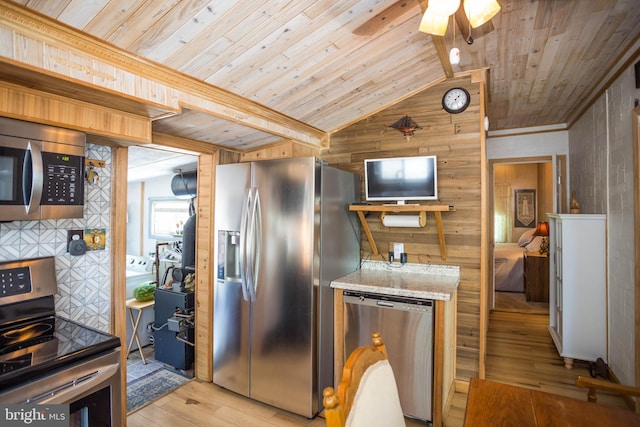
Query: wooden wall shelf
pixel 385 209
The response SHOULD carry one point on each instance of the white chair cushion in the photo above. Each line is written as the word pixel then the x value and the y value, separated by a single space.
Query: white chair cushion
pixel 377 402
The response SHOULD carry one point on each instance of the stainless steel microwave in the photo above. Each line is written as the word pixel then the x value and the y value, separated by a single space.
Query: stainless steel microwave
pixel 41 171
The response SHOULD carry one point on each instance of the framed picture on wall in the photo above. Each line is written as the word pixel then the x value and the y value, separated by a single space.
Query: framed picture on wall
pixel 525 209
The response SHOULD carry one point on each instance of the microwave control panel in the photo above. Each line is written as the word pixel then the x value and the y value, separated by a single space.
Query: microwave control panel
pixel 63 183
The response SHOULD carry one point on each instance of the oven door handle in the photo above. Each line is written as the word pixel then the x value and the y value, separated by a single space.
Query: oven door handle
pixel 70 391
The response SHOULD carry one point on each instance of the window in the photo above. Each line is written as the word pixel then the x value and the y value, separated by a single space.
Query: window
pixel 167 217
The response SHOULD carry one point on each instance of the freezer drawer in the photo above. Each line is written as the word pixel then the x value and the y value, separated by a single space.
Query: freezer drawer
pixel 406 326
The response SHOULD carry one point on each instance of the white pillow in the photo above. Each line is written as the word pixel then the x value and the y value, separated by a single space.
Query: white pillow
pixel 534 246
pixel 377 403
pixel 526 238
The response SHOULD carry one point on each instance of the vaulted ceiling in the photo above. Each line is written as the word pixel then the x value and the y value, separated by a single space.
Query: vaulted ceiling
pixel 330 63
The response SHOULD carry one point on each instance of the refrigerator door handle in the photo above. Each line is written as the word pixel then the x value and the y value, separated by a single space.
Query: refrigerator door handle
pixel 249 251
pixel 244 220
pixel 256 219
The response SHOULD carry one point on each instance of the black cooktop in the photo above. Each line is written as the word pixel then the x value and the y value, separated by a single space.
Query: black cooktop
pixel 33 340
pixel 31 348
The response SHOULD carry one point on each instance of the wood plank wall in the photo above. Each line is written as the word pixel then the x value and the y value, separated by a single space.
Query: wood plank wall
pixel 204 267
pixel 456 140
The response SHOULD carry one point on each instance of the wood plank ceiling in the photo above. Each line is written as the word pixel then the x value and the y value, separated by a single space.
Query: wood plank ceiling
pixel 330 63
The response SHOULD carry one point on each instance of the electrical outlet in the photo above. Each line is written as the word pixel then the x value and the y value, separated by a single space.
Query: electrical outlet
pixel 74 235
pixel 398 249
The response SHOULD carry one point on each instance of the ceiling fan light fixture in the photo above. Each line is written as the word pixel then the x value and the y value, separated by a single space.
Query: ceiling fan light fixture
pixel 443 7
pixel 433 24
pixel 479 11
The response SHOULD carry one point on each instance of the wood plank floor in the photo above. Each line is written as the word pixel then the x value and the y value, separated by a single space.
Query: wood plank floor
pixel 205 404
pixel 520 352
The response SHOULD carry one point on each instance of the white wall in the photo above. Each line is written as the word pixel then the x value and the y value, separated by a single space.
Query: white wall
pixel 134 221
pixel 544 141
pixel 601 154
pixel 138 211
pixel 541 142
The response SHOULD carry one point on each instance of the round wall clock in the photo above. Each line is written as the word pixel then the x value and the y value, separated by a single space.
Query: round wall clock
pixel 456 100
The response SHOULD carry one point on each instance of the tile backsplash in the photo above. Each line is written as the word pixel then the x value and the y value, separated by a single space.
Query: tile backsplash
pixel 84 282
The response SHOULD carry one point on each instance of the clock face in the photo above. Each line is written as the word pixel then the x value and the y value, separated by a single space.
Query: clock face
pixel 456 100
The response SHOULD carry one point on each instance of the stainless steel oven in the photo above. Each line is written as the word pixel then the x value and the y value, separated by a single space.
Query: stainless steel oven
pixel 41 171
pixel 91 388
pixel 46 359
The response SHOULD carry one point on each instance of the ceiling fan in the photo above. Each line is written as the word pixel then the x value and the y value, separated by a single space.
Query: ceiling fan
pixel 467 29
pixel 462 20
pixel 469 14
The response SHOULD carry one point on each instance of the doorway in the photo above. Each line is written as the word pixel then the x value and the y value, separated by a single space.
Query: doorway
pixel 522 193
pixel 160 230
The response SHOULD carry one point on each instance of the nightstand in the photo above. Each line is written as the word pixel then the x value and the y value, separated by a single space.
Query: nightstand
pixel 536 276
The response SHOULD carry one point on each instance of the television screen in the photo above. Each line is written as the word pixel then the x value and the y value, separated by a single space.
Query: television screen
pixel 401 179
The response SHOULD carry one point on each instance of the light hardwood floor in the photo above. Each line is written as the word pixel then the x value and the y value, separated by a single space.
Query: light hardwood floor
pixel 520 352
pixel 205 404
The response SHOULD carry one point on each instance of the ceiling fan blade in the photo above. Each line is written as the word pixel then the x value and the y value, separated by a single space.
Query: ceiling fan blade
pixel 378 22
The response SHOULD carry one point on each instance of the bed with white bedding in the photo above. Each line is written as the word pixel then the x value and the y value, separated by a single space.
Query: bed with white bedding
pixel 509 262
pixel 509 267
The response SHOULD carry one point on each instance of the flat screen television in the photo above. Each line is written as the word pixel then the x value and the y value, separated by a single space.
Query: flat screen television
pixel 401 179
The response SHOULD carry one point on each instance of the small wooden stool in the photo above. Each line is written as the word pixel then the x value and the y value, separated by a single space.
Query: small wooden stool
pixel 134 304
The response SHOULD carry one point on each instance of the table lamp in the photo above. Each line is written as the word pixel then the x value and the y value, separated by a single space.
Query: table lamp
pixel 543 230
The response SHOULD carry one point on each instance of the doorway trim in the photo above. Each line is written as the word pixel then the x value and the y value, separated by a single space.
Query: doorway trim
pixel 636 229
pixel 558 170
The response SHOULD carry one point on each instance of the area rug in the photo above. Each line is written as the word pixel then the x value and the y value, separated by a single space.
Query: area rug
pixel 152 386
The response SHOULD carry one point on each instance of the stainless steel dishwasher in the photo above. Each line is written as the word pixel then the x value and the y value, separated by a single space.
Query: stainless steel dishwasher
pixel 406 326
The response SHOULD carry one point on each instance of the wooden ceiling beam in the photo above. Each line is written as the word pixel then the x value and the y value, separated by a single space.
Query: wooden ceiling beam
pixel 443 55
pixel 376 23
pixel 441 47
pixel 84 60
pixel 29 104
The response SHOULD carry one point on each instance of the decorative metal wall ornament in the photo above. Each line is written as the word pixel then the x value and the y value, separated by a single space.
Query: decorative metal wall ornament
pixel 406 125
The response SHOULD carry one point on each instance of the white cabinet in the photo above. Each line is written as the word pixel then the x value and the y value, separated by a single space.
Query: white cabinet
pixel 578 286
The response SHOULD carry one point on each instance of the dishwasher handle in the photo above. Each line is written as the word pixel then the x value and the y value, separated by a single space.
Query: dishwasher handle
pixel 384 304
pixel 384 300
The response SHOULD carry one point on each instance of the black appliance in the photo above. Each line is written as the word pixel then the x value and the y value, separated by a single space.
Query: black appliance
pixel 41 170
pixel 46 359
pixel 174 328
pixel 189 246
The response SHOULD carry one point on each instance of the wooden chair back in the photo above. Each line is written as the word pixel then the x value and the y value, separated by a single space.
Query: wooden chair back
pixel 594 384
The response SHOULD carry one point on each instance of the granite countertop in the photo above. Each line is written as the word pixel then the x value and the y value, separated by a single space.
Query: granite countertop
pixel 437 282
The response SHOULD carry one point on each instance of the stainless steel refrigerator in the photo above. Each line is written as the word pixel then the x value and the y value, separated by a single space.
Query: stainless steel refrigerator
pixel 283 233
